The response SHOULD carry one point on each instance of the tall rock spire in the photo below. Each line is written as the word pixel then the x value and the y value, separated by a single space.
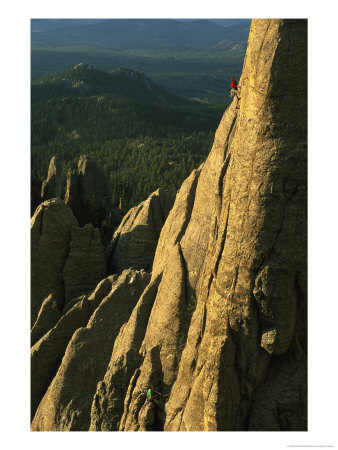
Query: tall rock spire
pixel 244 253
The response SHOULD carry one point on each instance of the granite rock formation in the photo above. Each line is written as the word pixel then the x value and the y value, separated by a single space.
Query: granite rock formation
pixel 86 358
pixel 50 238
pixel 134 242
pixel 48 316
pixel 47 353
pixel 66 260
pixel 113 389
pixel 88 192
pixel 86 264
pixel 51 187
pixel 220 328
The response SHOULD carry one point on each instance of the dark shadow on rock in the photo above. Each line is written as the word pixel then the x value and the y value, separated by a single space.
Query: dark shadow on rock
pixel 156 380
pixel 134 249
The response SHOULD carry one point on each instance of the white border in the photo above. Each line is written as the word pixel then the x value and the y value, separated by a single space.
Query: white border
pixel 15 110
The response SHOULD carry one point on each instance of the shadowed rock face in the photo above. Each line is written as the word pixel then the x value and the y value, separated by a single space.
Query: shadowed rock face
pixel 48 316
pixel 50 238
pixel 35 192
pixel 85 265
pixel 88 192
pixel 51 187
pixel 220 329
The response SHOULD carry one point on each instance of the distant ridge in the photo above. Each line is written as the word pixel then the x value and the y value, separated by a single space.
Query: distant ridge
pixel 38 25
pixel 144 33
pixel 85 80
pixel 221 22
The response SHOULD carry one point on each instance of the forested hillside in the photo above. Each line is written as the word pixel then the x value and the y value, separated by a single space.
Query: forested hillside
pixel 84 80
pixel 142 145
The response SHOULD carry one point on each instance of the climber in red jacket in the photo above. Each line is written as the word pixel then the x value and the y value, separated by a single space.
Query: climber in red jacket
pixel 235 90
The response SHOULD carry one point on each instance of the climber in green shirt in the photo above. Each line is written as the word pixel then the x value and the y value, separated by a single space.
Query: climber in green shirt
pixel 153 396
pixel 149 392
pixel 153 400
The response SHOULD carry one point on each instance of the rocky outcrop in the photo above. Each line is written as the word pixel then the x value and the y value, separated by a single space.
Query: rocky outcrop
pixel 134 242
pixel 113 391
pixel 67 260
pixel 48 316
pixel 86 264
pixel 88 192
pixel 51 187
pixel 177 222
pixel 108 402
pixel 47 353
pixel 50 238
pixel 86 358
pixel 220 329
pixel 164 340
